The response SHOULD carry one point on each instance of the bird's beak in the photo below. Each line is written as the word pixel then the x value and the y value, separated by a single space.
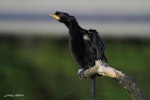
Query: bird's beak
pixel 55 16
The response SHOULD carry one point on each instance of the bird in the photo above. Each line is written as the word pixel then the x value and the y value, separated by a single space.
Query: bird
pixel 86 45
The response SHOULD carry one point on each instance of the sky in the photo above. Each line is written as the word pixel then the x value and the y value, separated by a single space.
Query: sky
pixel 109 17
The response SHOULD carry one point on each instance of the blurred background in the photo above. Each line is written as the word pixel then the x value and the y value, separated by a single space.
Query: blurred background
pixel 35 59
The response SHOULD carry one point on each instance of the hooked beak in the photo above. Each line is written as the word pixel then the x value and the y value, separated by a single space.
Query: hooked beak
pixel 54 16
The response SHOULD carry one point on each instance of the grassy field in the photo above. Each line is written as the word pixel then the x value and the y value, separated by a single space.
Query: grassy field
pixel 42 68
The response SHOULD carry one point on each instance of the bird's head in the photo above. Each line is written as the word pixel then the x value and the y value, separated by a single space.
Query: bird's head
pixel 62 17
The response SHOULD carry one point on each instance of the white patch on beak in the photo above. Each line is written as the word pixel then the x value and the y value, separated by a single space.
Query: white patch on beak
pixel 86 37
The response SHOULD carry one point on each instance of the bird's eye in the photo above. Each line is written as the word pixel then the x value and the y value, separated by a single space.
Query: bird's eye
pixel 57 13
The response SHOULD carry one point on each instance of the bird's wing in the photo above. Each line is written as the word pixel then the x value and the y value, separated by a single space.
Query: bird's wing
pixel 97 43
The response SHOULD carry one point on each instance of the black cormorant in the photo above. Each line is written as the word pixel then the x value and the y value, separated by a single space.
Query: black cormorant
pixel 86 45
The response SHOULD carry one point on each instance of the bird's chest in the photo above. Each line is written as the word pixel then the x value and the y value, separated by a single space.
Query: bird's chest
pixel 77 47
pixel 83 51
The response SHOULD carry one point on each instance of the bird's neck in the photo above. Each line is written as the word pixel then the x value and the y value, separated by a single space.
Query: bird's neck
pixel 73 27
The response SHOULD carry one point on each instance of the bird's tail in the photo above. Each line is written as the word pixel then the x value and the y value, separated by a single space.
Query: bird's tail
pixel 93 87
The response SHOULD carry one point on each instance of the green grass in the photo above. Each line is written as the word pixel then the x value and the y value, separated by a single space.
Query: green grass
pixel 43 69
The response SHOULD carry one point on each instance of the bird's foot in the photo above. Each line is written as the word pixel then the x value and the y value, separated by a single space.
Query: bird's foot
pixel 81 73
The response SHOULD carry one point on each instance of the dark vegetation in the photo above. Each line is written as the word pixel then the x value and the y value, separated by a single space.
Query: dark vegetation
pixel 42 68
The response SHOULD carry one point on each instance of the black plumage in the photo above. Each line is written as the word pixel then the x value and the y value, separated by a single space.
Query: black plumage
pixel 86 45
